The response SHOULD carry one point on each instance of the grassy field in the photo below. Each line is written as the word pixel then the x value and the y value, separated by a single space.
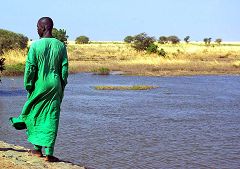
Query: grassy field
pixel 181 59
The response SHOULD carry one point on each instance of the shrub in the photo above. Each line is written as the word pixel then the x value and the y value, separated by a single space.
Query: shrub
pixel 207 41
pixel 82 40
pixel 163 39
pixel 128 39
pixel 186 39
pixel 101 71
pixel 162 52
pixel 152 48
pixel 142 41
pixel 218 41
pixel 173 39
pixel 10 40
pixel 60 34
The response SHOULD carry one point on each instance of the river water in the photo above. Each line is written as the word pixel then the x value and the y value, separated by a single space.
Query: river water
pixel 188 122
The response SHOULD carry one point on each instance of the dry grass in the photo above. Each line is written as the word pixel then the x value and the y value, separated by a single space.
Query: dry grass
pixel 182 59
pixel 135 87
pixel 14 57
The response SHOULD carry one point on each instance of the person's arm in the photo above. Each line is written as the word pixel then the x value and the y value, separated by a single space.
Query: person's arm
pixel 30 70
pixel 64 68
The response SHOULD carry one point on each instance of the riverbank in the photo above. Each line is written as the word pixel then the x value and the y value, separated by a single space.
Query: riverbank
pixel 181 59
pixel 17 157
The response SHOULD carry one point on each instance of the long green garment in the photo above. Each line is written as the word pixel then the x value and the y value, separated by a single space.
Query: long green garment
pixel 45 78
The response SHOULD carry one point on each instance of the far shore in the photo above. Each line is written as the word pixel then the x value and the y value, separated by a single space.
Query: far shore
pixel 159 74
pixel 180 60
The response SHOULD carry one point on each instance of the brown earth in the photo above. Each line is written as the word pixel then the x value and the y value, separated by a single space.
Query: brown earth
pixel 17 157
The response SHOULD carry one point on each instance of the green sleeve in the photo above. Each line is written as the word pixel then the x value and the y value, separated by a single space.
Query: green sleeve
pixel 64 68
pixel 30 70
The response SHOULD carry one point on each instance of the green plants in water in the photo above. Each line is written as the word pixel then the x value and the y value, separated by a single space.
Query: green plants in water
pixel 17 69
pixel 134 87
pixel 101 71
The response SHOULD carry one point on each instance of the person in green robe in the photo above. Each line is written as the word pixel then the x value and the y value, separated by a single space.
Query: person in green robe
pixel 45 78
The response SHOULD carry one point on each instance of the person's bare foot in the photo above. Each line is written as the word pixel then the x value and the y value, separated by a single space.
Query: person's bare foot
pixel 35 153
pixel 51 159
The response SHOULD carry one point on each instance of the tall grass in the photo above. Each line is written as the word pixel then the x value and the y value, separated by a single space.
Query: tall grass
pixel 181 59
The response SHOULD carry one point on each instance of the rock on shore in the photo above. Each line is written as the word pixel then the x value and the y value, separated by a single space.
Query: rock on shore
pixel 17 157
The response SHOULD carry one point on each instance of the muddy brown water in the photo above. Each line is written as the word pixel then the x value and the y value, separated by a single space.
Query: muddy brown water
pixel 188 122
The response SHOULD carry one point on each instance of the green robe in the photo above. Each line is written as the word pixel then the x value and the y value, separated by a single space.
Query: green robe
pixel 45 78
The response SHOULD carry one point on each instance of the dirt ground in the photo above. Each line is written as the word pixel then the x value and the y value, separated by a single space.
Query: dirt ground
pixel 17 157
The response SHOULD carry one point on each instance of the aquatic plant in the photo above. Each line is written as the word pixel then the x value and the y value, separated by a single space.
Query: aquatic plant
pixel 101 71
pixel 135 87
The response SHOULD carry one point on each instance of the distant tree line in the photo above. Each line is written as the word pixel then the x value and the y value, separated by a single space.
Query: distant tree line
pixel 140 42
pixel 172 39
pixel 11 40
pixel 143 42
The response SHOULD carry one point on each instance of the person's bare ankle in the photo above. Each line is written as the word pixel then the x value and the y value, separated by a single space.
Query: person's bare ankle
pixel 36 153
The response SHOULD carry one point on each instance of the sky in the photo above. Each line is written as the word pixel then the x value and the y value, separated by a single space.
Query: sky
pixel 112 20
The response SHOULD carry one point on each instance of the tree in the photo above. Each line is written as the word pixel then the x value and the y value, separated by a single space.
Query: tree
pixel 218 41
pixel 173 39
pixel 128 39
pixel 11 40
pixel 60 34
pixel 162 52
pixel 163 39
pixel 186 39
pixel 142 41
pixel 207 41
pixel 82 40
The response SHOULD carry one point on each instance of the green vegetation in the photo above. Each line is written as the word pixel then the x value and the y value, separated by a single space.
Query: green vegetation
pixel 17 69
pixel 163 39
pixel 186 39
pixel 218 41
pixel 10 40
pixel 129 39
pixel 60 34
pixel 173 39
pixel 135 87
pixel 207 41
pixel 170 39
pixel 152 48
pixel 142 41
pixel 101 71
pixel 162 52
pixel 82 40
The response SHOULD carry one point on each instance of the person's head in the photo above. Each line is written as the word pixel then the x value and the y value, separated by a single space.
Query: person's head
pixel 45 26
